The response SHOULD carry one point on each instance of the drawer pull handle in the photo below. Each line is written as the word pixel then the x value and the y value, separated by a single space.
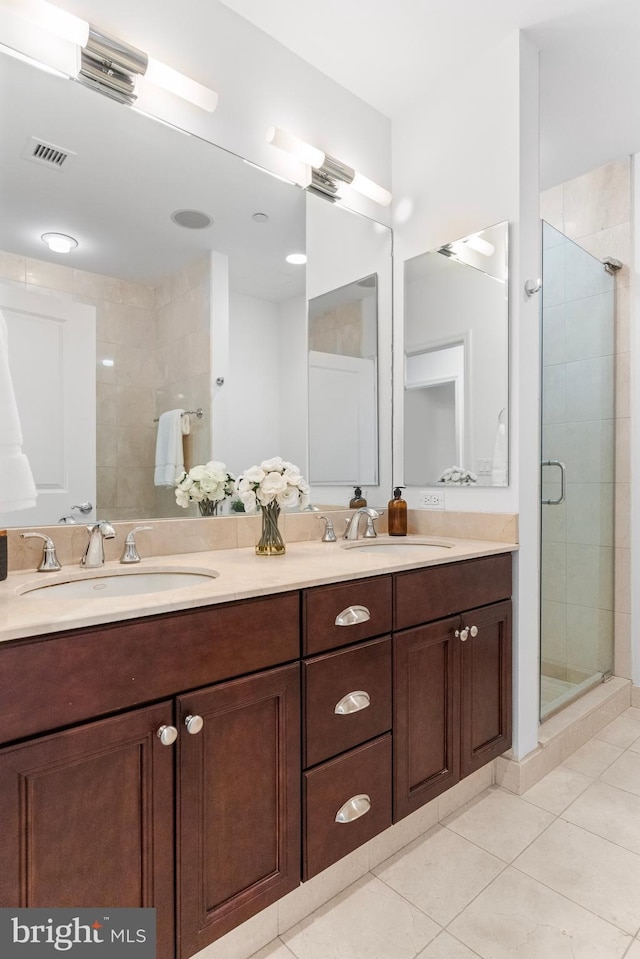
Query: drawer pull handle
pixel 354 808
pixel 353 615
pixel 462 634
pixel 353 703
pixel 474 631
pixel 167 735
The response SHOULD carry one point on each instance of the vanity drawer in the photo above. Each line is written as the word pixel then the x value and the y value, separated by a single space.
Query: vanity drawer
pixel 64 678
pixel 328 681
pixel 362 605
pixel 422 595
pixel 359 784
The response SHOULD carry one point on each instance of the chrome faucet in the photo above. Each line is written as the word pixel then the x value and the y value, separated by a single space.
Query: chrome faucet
pixel 94 553
pixel 353 523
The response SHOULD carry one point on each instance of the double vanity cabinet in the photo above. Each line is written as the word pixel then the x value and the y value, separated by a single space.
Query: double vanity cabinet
pixel 206 761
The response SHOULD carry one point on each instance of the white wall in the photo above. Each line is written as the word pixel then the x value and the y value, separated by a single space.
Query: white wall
pixel 463 161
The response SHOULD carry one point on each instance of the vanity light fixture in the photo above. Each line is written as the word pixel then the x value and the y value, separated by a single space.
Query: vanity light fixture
pixel 59 242
pixel 297 259
pixel 329 176
pixel 107 63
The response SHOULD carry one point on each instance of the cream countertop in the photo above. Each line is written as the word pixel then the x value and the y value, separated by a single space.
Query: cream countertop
pixel 242 575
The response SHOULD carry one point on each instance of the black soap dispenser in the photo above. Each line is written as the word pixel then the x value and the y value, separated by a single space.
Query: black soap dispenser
pixel 397 513
pixel 357 500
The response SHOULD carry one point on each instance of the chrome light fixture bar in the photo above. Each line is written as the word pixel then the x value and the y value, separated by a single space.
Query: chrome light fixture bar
pixel 329 176
pixel 111 65
pixel 107 63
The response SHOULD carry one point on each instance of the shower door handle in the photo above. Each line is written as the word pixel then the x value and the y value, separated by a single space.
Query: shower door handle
pixel 563 482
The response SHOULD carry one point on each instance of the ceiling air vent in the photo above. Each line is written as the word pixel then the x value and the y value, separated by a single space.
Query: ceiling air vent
pixel 47 154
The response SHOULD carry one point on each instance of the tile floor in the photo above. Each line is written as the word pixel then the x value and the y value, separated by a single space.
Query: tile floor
pixel 551 874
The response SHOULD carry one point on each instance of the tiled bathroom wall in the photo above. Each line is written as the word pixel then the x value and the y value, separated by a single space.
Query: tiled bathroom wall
pixel 156 344
pixel 183 364
pixel 339 330
pixel 594 210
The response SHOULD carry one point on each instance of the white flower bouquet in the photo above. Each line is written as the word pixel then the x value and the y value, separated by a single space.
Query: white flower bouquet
pixel 207 484
pixel 275 482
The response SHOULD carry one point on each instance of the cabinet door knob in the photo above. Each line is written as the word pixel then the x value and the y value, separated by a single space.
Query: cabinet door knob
pixel 353 702
pixel 353 615
pixel 462 634
pixel 167 735
pixel 474 631
pixel 194 724
pixel 354 808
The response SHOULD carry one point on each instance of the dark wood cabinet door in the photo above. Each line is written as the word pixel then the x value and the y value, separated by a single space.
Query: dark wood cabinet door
pixel 486 686
pixel 238 803
pixel 426 714
pixel 87 819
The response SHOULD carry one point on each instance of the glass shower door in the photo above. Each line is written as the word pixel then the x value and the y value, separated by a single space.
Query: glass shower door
pixel 577 473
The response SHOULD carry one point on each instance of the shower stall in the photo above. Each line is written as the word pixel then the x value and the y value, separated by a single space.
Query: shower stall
pixel 577 472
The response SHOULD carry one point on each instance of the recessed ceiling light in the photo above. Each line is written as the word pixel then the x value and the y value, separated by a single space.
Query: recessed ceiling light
pixel 260 217
pixel 59 242
pixel 107 362
pixel 297 258
pixel 191 219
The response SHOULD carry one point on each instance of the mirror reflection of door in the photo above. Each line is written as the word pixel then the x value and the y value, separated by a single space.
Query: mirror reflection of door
pixel 457 293
pixel 434 418
pixel 55 392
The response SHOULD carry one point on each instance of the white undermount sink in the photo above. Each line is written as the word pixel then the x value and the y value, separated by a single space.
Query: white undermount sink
pixel 98 584
pixel 418 546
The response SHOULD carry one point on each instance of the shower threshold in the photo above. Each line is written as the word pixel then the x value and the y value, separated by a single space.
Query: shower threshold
pixel 555 694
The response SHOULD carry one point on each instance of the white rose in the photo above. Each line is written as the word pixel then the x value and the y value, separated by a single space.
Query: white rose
pixel 197 473
pixel 248 498
pixel 292 476
pixel 182 498
pixel 288 498
pixel 272 485
pixel 254 475
pixel 275 464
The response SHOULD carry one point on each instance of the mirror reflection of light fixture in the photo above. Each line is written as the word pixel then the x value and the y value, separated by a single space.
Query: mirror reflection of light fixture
pixel 108 64
pixel 329 176
pixel 297 259
pixel 59 242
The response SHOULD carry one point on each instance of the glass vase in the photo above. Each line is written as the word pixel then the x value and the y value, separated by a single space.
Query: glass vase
pixel 271 542
pixel 208 507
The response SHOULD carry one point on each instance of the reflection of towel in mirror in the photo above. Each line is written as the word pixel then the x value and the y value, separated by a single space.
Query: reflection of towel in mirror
pixel 17 488
pixel 172 426
pixel 499 465
pixel 457 476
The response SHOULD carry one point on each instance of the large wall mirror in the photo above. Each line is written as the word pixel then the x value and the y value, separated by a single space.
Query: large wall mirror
pixel 178 295
pixel 456 360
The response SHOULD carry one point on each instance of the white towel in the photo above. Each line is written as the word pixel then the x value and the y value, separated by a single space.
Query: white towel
pixel 172 426
pixel 17 488
pixel 499 464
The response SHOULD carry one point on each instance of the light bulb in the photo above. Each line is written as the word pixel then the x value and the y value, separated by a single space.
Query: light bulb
pixel 371 190
pixel 59 242
pixel 52 18
pixel 176 82
pixel 296 258
pixel 298 148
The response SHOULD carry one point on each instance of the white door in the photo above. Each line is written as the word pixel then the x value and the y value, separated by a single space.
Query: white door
pixel 343 419
pixel 52 359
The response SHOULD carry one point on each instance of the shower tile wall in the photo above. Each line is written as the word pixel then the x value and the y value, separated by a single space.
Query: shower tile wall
pixel 594 211
pixel 184 363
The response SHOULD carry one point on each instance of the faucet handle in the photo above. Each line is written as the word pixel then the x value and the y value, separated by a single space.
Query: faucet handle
pixel 130 553
pixel 329 535
pixel 370 531
pixel 49 562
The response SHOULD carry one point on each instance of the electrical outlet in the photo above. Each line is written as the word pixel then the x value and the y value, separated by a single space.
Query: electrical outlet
pixel 431 499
